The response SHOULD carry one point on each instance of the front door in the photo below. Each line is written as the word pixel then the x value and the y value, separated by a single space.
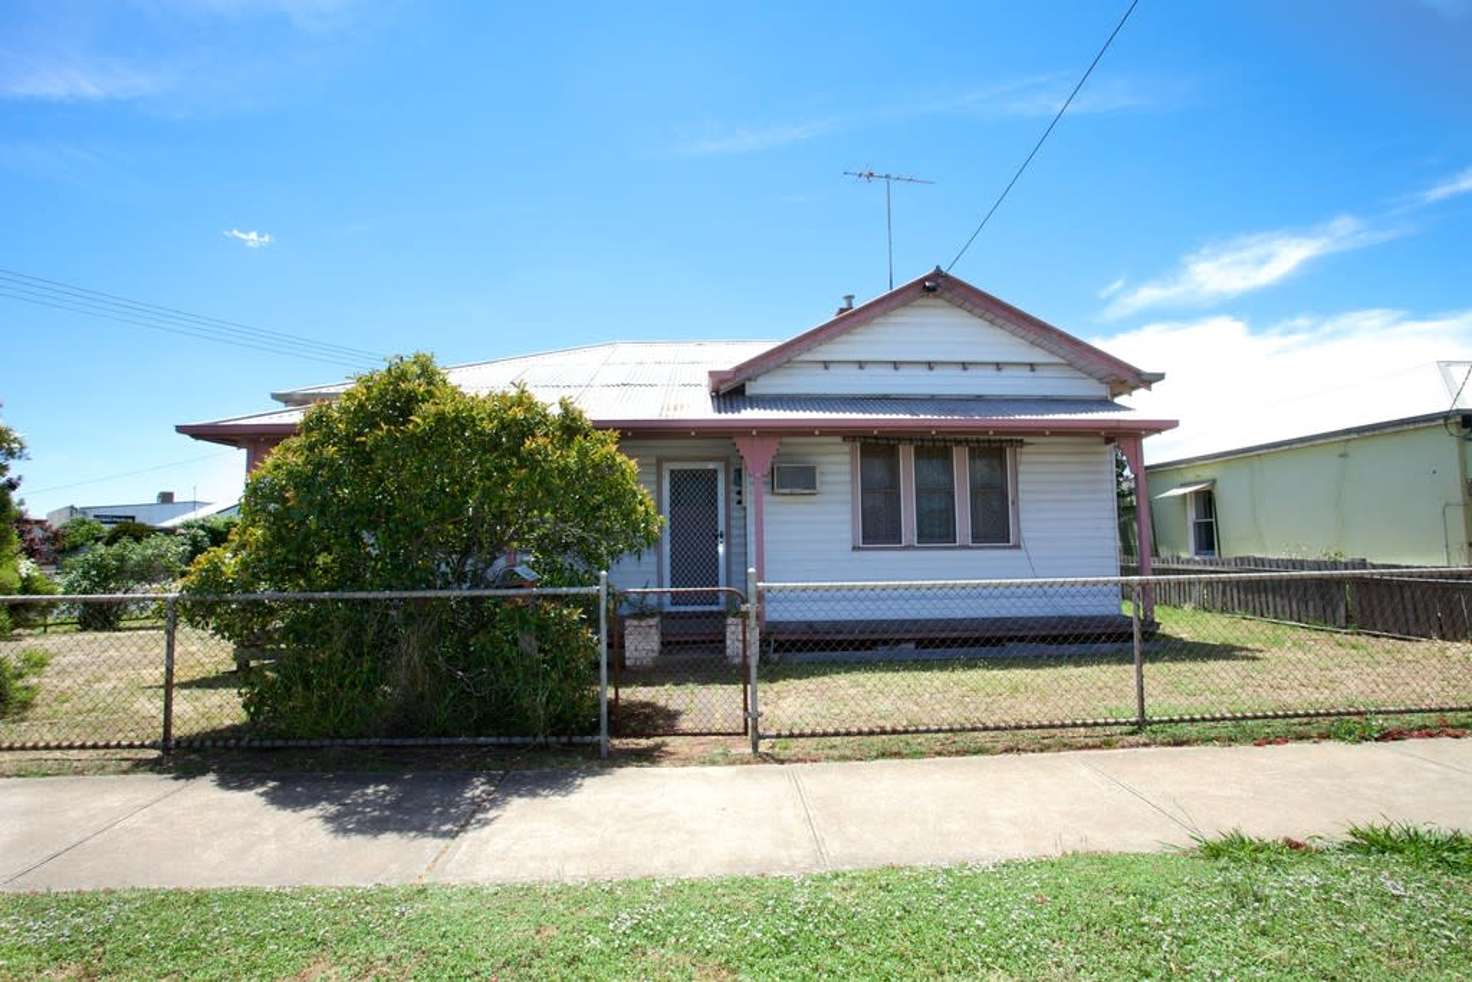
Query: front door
pixel 695 533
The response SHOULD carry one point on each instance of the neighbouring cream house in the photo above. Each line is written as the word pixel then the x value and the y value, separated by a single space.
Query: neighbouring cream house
pixel 1395 491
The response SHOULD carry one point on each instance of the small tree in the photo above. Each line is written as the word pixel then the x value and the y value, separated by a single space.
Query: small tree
pixel 12 448
pixel 406 482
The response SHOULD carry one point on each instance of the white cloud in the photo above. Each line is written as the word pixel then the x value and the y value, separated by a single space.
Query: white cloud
pixel 252 239
pixel 1112 289
pixel 1043 95
pixel 1028 96
pixel 73 79
pixel 307 15
pixel 1240 265
pixel 1450 9
pixel 1232 386
pixel 721 140
pixel 1449 188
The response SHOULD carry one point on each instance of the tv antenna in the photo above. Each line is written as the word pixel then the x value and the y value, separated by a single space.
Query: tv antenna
pixel 870 176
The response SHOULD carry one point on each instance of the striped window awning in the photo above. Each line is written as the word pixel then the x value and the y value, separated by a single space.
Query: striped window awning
pixel 1186 489
pixel 938 441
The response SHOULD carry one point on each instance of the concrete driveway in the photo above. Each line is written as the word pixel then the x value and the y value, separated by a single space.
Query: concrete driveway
pixel 285 830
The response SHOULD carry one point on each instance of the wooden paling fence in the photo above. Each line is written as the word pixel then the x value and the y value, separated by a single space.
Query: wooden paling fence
pixel 1410 607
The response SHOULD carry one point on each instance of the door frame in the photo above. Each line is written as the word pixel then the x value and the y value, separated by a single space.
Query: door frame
pixel 719 466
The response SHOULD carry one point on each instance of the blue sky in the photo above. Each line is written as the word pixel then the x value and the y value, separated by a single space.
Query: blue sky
pixel 1269 202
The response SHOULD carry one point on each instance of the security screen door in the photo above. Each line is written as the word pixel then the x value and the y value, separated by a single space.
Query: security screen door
pixel 695 539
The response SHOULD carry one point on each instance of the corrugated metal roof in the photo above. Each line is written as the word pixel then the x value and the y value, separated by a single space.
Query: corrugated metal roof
pixel 667 380
pixel 612 365
pixel 895 407
pixel 270 417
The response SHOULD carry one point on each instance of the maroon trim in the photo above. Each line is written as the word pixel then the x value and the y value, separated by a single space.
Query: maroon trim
pixel 208 431
pixel 1090 360
pixel 1134 454
pixel 757 453
pixel 851 424
pixel 240 436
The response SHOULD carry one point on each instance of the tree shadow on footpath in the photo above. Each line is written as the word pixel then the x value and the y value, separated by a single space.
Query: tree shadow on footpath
pixel 390 799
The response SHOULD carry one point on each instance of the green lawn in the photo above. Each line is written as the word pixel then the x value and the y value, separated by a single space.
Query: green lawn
pixel 1251 910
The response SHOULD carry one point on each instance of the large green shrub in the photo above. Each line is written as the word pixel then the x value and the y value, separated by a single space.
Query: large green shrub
pixel 129 566
pixel 406 482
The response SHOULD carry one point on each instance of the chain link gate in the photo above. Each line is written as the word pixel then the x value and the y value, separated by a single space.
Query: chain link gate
pixel 679 667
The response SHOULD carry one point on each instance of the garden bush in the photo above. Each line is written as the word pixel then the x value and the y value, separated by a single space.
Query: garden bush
pixel 33 583
pixel 17 686
pixel 80 532
pixel 143 566
pixel 203 534
pixel 406 483
pixel 130 531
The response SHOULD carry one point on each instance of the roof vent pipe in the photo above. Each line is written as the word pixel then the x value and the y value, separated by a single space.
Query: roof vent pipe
pixel 848 303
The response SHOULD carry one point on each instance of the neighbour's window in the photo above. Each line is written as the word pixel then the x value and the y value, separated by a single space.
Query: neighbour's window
pixel 935 495
pixel 1203 523
pixel 879 491
pixel 991 514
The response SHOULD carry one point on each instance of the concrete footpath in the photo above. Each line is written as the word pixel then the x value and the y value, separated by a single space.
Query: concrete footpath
pixel 281 830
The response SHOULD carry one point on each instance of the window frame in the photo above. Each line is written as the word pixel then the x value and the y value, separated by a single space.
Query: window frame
pixel 1192 520
pixel 1009 487
pixel 858 498
pixel 955 503
pixel 960 471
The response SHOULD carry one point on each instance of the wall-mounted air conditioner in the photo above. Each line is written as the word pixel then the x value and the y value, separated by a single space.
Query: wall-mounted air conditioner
pixel 794 478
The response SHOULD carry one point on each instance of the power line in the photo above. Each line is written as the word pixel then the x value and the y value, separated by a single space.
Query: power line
pixel 92 312
pixel 1039 145
pixel 173 313
pixel 141 313
pixel 113 477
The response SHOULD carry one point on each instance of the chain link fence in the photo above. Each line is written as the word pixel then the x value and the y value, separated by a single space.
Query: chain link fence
pixel 808 659
pixel 906 657
pixel 421 668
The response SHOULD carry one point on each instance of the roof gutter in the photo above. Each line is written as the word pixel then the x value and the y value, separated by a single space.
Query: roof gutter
pixel 229 435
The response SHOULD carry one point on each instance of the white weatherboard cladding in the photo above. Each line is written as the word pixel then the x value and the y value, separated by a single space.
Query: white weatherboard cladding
pixel 934 331
pixel 1066 502
pixel 643 570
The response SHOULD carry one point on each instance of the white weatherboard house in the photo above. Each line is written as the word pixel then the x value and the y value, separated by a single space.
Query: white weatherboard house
pixel 934 432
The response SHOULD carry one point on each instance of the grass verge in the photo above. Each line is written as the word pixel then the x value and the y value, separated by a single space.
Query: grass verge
pixel 1378 908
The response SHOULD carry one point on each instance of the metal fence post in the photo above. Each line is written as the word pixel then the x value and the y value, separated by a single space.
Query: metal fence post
pixel 1139 656
pixel 603 663
pixel 753 656
pixel 171 617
